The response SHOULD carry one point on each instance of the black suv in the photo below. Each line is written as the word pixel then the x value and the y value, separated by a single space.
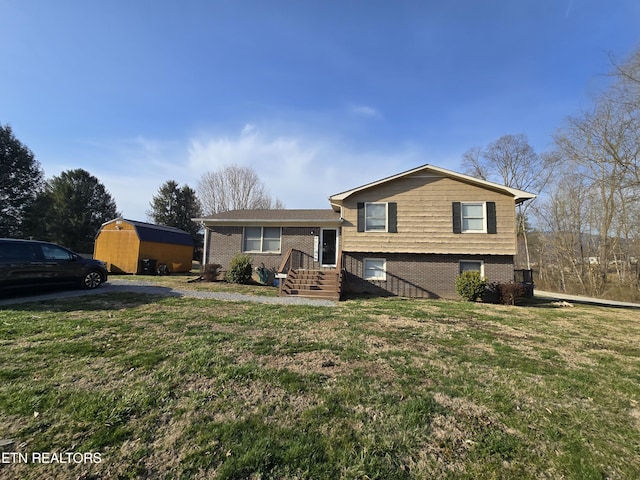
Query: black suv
pixel 29 264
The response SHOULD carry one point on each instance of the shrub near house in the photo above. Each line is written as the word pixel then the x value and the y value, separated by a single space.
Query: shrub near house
pixel 470 285
pixel 239 269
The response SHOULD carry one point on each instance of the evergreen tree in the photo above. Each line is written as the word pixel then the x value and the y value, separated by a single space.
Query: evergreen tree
pixel 175 207
pixel 21 179
pixel 72 209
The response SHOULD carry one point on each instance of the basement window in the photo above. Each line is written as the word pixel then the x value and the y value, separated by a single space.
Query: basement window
pixel 472 266
pixel 375 269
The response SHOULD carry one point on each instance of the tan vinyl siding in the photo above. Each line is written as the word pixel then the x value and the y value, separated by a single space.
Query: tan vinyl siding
pixel 424 208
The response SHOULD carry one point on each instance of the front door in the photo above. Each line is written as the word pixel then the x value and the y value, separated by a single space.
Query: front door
pixel 329 246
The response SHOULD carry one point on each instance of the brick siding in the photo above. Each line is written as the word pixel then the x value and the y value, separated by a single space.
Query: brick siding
pixel 420 275
pixel 225 242
pixel 408 274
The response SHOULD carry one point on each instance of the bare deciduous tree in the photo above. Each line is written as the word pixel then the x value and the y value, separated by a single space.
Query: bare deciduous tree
pixel 589 241
pixel 625 93
pixel 600 149
pixel 234 188
pixel 511 161
pixel 602 145
pixel 628 78
pixel 565 220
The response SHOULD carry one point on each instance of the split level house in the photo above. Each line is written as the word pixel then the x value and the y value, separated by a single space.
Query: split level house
pixel 408 235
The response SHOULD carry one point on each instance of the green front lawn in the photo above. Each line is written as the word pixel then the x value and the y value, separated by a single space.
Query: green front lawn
pixel 383 388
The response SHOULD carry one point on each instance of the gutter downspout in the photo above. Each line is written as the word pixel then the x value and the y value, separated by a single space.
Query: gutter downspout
pixel 205 250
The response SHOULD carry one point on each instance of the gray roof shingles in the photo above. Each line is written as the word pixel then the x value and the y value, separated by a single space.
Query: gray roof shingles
pixel 284 215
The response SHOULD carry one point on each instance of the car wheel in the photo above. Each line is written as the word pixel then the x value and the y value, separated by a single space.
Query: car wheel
pixel 92 279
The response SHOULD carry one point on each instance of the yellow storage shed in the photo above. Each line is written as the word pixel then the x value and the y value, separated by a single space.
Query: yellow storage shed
pixel 128 246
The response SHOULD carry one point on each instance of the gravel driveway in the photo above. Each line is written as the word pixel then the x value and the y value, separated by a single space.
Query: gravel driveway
pixel 149 288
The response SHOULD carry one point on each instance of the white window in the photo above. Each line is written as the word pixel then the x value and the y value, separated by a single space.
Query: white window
pixel 261 239
pixel 375 269
pixel 252 239
pixel 473 217
pixel 375 217
pixel 473 266
pixel 271 239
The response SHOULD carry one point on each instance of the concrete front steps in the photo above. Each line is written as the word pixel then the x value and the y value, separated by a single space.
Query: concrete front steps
pixel 321 284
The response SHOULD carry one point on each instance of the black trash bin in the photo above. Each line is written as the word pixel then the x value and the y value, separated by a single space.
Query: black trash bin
pixel 147 266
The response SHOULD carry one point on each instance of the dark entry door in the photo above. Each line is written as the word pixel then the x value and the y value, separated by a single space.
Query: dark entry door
pixel 329 241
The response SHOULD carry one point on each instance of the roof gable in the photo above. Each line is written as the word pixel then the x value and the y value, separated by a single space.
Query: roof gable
pixel 519 195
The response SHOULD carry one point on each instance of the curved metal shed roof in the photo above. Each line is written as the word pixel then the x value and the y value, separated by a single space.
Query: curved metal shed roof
pixel 149 232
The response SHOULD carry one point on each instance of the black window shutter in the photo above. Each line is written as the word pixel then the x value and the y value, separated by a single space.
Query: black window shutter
pixel 457 218
pixel 392 211
pixel 361 216
pixel 491 218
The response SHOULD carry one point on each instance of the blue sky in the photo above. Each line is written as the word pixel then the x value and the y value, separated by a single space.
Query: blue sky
pixel 317 96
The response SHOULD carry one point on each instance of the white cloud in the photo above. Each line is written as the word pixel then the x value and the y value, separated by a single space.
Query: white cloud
pixel 302 169
pixel 248 129
pixel 568 10
pixel 284 163
pixel 364 111
pixel 250 148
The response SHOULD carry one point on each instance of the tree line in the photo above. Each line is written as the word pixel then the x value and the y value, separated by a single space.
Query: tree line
pixel 589 222
pixel 70 208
